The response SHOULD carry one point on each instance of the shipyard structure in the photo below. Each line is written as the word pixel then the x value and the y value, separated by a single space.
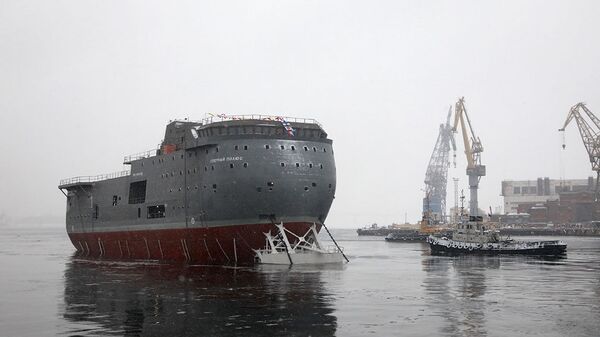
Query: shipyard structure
pixel 209 193
pixel 546 200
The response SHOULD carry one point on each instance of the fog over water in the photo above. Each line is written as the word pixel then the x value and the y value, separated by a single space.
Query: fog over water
pixel 83 83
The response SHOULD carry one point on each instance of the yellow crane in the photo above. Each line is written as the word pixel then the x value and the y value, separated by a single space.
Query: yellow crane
pixel 473 150
pixel 589 134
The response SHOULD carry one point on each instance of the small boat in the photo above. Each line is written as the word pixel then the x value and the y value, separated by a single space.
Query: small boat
pixel 473 237
pixel 305 249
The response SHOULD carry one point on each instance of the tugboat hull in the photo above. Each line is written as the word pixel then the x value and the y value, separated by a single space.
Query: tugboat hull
pixel 450 247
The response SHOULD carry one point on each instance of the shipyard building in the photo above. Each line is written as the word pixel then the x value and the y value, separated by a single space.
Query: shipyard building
pixel 547 200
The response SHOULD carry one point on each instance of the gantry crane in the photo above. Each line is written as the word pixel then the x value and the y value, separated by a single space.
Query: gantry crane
pixel 589 135
pixel 436 177
pixel 473 149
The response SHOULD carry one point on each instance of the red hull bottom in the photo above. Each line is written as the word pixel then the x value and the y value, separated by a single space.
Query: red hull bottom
pixel 217 246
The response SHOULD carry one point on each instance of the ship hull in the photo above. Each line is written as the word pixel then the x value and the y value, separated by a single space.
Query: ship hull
pixel 223 245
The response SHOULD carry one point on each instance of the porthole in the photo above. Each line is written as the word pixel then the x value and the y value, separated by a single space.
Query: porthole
pixel 236 147
pixel 180 173
pixel 245 147
pixel 314 184
pixel 306 188
pixel 324 150
pixel 306 148
pixel 270 183
pixel 231 165
pixel 245 164
pixel 259 189
pixel 214 185
pixel 314 149
pixel 321 166
pixel 297 164
pixel 293 148
pixel 310 165
pixel 172 174
pixel 282 164
pixel 212 167
pixel 205 168
pixel 282 147
pixel 216 149
pixel 267 146
pixel 329 185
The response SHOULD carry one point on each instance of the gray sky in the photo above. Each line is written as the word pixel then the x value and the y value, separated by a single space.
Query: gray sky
pixel 83 83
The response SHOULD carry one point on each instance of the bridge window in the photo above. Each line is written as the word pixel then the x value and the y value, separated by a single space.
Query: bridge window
pixel 245 164
pixel 293 148
pixel 267 146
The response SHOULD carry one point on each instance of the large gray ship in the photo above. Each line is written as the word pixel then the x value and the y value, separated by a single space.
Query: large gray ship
pixel 208 193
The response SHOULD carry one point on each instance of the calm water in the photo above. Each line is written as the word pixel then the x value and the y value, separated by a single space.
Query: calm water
pixel 387 289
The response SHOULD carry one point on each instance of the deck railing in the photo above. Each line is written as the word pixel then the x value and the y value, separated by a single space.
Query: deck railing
pixel 91 179
pixel 141 155
pixel 209 119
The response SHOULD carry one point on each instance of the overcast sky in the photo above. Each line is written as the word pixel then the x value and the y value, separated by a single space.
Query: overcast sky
pixel 83 83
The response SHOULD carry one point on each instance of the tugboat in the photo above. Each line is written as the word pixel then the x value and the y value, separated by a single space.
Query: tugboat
pixel 472 236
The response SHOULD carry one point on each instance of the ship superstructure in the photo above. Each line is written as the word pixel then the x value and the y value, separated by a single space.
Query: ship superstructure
pixel 208 193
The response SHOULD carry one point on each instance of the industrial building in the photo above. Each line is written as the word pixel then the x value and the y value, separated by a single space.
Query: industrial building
pixel 539 191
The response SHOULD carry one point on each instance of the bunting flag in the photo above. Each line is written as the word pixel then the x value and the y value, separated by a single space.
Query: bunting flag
pixel 287 126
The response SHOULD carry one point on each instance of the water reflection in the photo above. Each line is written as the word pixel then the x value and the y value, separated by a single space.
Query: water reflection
pixel 456 287
pixel 161 300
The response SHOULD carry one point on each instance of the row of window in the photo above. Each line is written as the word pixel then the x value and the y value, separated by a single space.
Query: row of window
pixel 231 165
pixel 258 130
pixel 268 147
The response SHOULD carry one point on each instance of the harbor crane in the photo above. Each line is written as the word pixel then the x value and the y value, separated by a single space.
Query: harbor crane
pixel 589 134
pixel 473 150
pixel 436 177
